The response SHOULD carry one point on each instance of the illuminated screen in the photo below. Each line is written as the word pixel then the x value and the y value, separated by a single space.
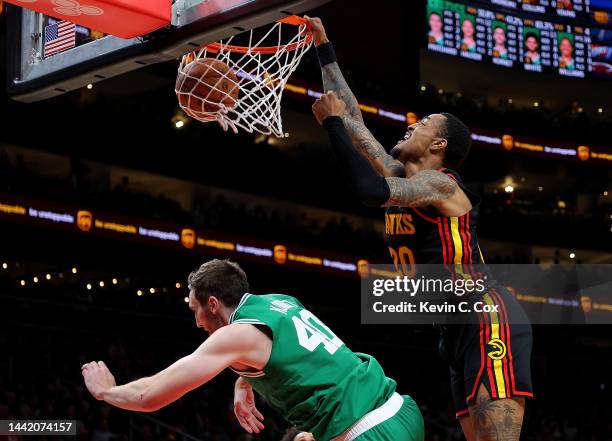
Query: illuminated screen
pixel 512 38
pixel 560 8
pixel 601 37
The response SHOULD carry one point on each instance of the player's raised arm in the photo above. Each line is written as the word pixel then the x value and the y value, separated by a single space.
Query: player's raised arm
pixel 427 187
pixel 226 346
pixel 333 80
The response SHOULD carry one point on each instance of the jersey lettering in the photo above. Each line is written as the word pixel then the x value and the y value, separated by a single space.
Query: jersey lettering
pixel 311 333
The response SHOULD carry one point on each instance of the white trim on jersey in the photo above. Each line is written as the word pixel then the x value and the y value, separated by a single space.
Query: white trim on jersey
pixel 249 321
pixel 249 374
pixel 373 418
pixel 242 300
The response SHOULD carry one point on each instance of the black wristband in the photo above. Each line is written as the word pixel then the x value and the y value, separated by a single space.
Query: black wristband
pixel 326 54
pixel 331 120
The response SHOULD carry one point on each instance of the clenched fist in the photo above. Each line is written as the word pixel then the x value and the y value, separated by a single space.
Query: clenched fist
pixel 328 105
pixel 98 378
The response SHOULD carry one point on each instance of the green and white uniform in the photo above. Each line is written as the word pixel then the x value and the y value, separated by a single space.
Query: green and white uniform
pixel 318 384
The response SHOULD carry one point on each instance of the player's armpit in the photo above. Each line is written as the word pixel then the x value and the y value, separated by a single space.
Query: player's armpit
pixel 427 187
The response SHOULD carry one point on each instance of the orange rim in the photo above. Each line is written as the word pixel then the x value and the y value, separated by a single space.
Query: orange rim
pixel 292 20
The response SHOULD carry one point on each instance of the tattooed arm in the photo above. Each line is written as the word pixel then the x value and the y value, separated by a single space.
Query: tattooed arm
pixel 427 187
pixel 333 80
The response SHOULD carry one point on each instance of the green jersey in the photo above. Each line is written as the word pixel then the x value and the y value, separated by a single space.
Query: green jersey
pixel 312 378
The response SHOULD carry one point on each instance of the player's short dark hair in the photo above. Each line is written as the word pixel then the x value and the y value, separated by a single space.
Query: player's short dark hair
pixel 531 34
pixel 223 279
pixel 290 434
pixel 459 140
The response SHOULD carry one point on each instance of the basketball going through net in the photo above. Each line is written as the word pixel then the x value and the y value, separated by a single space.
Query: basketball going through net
pixel 241 86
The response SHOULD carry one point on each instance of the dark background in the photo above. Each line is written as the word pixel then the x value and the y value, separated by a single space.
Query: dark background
pixel 124 126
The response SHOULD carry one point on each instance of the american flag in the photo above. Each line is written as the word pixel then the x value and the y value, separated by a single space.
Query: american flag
pixel 59 37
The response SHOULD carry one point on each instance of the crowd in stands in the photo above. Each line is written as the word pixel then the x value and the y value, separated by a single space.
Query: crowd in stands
pixel 276 222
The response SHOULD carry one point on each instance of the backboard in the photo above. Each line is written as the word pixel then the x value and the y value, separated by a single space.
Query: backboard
pixel 34 75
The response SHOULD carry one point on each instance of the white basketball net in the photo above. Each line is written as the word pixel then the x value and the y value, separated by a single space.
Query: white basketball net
pixel 262 72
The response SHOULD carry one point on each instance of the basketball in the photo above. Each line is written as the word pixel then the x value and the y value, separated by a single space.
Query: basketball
pixel 206 83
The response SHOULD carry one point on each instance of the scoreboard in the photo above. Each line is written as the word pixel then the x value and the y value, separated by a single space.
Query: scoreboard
pixel 534 35
pixel 561 8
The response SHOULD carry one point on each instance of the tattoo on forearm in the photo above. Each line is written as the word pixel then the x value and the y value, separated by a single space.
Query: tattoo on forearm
pixel 363 139
pixel 353 122
pixel 495 420
pixel 424 188
pixel 334 80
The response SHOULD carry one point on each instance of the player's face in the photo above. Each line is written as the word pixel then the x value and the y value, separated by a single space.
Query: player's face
pixel 566 48
pixel 418 139
pixel 304 436
pixel 435 23
pixel 467 28
pixel 532 44
pixel 206 316
pixel 499 36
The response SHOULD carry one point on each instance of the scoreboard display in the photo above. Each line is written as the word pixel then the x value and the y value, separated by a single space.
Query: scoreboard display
pixel 560 8
pixel 533 35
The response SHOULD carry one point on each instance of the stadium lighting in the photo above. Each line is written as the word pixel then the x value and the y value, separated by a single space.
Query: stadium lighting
pixel 186 299
pixel 89 286
pixel 572 255
pixel 101 284
pixel 605 193
pixel 561 204
pixel 22 283
pixel 178 284
pixel 48 276
pixel 509 189
pixel 600 110
pixel 540 188
pixel 179 119
pixel 152 290
pixel 580 110
pixel 423 88
pixel 139 292
pixel 74 270
pixel 4 265
pixel 35 279
pixel 536 104
pixel 510 101
pixel 90 86
pixel 440 91
pixel 115 281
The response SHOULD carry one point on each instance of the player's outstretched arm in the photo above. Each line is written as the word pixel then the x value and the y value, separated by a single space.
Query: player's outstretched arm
pixel 333 80
pixel 226 346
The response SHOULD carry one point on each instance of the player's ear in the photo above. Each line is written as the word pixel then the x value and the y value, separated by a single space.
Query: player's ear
pixel 213 303
pixel 439 144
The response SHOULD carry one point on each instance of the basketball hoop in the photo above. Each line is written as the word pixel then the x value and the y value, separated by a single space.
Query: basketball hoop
pixel 245 89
